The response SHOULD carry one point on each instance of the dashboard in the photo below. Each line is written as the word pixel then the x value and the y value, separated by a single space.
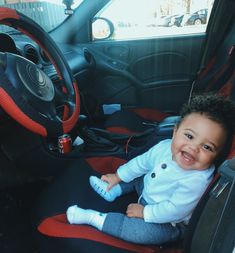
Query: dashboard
pixel 79 59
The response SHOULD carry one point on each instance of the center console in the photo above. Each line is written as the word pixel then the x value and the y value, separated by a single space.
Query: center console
pixel 90 141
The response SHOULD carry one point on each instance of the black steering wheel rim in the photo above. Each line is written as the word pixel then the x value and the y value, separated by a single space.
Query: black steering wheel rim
pixel 27 108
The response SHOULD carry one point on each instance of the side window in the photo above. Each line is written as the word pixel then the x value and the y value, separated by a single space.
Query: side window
pixel 131 19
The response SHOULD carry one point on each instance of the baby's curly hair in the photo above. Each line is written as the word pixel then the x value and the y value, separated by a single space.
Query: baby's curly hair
pixel 217 108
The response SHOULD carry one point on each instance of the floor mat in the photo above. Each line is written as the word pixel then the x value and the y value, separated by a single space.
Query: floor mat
pixel 15 226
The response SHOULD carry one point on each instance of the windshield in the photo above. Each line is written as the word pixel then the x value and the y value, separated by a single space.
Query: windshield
pixel 47 13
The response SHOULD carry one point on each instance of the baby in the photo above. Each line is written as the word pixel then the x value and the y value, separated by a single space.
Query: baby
pixel 169 179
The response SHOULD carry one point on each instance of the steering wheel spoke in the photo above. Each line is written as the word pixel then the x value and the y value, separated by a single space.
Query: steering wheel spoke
pixel 48 111
pixel 60 96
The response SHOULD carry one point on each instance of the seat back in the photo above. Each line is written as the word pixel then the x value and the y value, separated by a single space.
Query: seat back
pixel 220 68
pixel 213 221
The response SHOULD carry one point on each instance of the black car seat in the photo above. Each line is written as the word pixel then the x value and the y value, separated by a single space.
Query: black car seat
pixel 55 234
pixel 212 78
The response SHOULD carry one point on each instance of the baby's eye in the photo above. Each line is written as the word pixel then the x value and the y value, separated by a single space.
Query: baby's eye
pixel 207 147
pixel 189 136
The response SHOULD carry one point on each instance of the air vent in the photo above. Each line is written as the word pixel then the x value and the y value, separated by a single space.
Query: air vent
pixel 31 54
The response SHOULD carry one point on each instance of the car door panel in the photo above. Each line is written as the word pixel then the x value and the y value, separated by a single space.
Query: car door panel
pixel 153 67
pixel 146 72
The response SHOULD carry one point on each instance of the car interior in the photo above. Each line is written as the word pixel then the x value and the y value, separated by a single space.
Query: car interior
pixel 109 101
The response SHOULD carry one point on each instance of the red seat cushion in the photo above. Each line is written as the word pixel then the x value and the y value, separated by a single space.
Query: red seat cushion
pixel 58 226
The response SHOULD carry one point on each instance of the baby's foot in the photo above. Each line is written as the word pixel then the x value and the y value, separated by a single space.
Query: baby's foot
pixel 75 215
pixel 100 187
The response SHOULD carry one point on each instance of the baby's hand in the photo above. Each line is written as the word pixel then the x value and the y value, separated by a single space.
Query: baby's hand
pixel 111 179
pixel 135 210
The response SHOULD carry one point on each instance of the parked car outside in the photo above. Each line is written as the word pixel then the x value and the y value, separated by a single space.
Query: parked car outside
pixel 177 20
pixel 165 20
pixel 196 18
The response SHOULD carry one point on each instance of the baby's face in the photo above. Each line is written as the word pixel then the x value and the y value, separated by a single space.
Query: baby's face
pixel 197 142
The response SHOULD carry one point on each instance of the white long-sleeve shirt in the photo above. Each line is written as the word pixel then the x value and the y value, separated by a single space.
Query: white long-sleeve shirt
pixel 170 191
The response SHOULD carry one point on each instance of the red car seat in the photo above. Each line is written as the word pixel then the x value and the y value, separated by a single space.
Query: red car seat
pixel 55 234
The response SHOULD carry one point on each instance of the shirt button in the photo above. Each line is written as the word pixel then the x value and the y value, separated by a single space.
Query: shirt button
pixel 163 166
pixel 153 175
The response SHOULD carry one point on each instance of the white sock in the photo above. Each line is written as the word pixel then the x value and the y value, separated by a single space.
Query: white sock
pixel 77 215
pixel 100 187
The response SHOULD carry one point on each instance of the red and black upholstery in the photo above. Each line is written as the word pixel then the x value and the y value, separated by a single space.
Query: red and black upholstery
pixel 55 234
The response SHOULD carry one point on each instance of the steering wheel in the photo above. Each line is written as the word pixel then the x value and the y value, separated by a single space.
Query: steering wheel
pixel 27 94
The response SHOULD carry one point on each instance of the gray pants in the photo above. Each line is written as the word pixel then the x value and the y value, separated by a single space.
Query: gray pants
pixel 136 230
